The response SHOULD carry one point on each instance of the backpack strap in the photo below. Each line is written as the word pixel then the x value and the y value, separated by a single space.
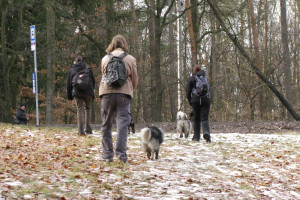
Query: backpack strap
pixel 110 55
pixel 123 55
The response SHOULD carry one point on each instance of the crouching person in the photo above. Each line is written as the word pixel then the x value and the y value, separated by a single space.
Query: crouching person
pixel 80 86
pixel 116 92
pixel 21 115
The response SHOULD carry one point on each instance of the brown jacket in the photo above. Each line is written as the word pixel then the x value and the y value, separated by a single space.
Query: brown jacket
pixel 132 77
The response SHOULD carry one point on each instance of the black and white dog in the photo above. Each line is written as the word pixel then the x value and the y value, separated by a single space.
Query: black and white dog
pixel 183 124
pixel 151 139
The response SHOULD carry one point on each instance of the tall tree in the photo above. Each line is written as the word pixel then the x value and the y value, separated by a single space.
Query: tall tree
pixel 191 33
pixel 285 53
pixel 141 85
pixel 254 25
pixel 6 67
pixel 256 69
pixel 50 83
pixel 157 21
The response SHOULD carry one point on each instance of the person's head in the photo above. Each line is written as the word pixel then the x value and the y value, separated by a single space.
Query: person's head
pixel 196 68
pixel 77 59
pixel 117 42
pixel 22 106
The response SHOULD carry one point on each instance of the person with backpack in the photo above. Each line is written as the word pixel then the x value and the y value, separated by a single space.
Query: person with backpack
pixel 21 115
pixel 117 86
pixel 198 95
pixel 80 85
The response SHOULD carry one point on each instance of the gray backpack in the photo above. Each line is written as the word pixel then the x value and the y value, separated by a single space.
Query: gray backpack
pixel 201 88
pixel 115 74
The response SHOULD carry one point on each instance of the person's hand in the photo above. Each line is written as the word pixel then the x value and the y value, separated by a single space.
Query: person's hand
pixel 27 118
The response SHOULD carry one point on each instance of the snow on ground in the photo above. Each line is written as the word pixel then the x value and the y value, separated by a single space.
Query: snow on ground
pixel 233 166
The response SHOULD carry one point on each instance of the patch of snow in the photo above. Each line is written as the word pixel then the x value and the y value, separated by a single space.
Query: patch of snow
pixel 86 191
pixel 15 183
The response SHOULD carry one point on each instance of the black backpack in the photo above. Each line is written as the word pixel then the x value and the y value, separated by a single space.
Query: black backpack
pixel 201 88
pixel 81 80
pixel 115 74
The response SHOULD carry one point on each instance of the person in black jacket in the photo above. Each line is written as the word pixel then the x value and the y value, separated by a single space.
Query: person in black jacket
pixel 21 116
pixel 81 97
pixel 200 105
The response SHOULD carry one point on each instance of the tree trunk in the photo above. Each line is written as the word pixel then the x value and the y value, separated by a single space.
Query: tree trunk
pixel 50 83
pixel 256 51
pixel 285 53
pixel 6 105
pixel 235 41
pixel 141 85
pixel 155 31
pixel 213 58
pixel 173 81
pixel 191 33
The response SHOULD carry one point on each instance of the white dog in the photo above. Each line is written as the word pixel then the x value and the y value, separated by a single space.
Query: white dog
pixel 183 124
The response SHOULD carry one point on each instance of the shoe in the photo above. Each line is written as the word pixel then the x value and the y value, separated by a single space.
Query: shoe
pixel 108 159
pixel 81 134
pixel 195 139
pixel 88 133
pixel 207 138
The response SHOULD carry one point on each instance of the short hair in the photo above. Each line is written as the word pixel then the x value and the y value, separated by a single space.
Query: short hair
pixel 78 59
pixel 117 42
pixel 196 68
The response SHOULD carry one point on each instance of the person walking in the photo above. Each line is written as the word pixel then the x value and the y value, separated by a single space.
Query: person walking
pixel 80 86
pixel 198 95
pixel 21 115
pixel 116 91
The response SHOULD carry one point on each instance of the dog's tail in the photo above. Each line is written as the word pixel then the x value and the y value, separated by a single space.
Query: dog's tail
pixel 145 135
pixel 145 138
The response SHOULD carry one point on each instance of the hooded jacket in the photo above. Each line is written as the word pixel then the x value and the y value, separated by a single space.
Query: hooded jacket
pixel 72 92
pixel 21 116
pixel 132 78
pixel 191 83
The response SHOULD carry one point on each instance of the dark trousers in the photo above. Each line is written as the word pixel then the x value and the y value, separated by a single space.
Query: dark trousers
pixel 201 113
pixel 111 105
pixel 84 111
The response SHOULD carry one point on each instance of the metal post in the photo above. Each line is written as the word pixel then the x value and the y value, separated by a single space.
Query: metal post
pixel 36 91
pixel 33 48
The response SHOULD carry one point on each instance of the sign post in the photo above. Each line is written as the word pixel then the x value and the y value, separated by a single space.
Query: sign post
pixel 34 75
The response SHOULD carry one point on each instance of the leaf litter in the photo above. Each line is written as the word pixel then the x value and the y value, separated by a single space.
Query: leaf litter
pixel 55 163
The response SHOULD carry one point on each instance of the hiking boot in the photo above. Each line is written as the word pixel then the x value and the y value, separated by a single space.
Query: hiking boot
pixel 195 139
pixel 207 138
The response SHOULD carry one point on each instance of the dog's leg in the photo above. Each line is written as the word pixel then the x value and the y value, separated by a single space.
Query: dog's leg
pixel 133 127
pixel 156 154
pixel 181 133
pixel 152 154
pixel 148 153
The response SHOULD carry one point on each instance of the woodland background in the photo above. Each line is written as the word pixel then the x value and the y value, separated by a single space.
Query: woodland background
pixel 268 30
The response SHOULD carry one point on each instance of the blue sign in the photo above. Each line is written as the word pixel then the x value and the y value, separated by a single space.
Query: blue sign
pixel 33 82
pixel 32 38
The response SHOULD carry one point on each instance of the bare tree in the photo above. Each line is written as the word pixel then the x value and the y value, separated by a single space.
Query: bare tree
pixel 258 72
pixel 285 53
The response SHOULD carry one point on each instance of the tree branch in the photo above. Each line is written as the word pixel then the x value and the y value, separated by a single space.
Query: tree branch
pixel 236 42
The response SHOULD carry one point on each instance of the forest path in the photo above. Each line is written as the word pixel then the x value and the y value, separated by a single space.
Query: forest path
pixel 54 163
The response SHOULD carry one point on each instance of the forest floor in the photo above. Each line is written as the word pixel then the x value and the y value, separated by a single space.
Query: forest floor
pixel 55 163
